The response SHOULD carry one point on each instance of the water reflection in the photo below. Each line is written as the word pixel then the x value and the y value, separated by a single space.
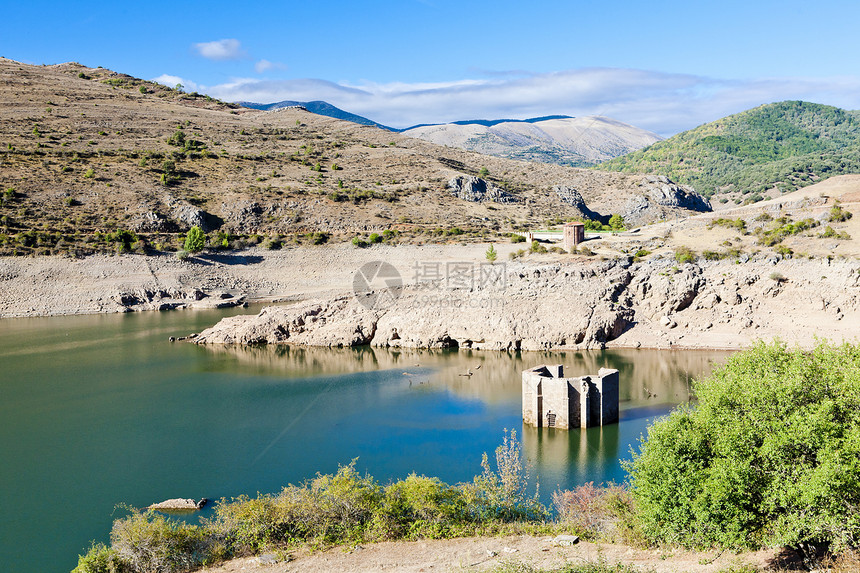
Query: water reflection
pixel 647 377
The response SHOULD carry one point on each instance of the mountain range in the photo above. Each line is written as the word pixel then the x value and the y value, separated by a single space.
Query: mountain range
pixel 558 139
pixel 575 141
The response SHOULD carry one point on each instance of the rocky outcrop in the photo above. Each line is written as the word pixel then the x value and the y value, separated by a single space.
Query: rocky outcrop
pixel 477 190
pixel 588 304
pixel 572 197
pixel 153 222
pixel 336 322
pixel 179 504
pixel 661 198
pixel 187 215
pixel 170 299
pixel 536 308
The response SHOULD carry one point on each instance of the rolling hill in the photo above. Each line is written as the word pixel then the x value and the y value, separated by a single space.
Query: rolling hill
pixel 771 149
pixel 556 139
pixel 318 107
pixel 94 160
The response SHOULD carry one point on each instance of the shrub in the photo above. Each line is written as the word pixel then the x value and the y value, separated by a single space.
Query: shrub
pixel 359 242
pixel 272 243
pixel 99 559
pixel 483 172
pixel 838 214
pixel 515 238
pixel 374 238
pixel 769 455
pixel 616 222
pixel 491 254
pixel 501 494
pixel 317 237
pixel 149 541
pixel 685 255
pixel 195 240
pixel 738 224
pixel 830 233
pixel 89 173
pixel 784 251
pixel 537 247
pixel 593 512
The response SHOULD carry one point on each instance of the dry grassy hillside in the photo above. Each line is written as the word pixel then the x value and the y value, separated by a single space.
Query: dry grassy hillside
pixel 86 152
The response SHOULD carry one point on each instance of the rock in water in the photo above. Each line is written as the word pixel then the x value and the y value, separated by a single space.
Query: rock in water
pixel 179 504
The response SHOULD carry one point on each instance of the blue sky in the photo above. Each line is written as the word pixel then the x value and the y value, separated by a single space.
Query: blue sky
pixel 661 65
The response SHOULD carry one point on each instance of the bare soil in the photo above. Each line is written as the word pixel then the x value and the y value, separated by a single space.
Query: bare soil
pixel 486 554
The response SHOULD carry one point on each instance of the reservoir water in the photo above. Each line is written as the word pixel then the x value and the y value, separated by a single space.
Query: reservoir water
pixel 97 411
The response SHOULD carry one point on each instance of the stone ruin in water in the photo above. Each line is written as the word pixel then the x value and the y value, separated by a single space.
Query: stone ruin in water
pixel 552 401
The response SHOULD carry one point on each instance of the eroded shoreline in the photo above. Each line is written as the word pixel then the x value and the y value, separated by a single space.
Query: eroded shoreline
pixel 547 303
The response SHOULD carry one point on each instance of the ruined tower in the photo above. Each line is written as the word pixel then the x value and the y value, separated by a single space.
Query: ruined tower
pixel 552 401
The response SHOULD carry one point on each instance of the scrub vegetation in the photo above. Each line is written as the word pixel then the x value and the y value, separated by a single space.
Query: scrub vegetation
pixel 786 145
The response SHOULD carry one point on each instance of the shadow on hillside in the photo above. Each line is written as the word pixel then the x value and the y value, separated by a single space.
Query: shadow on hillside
pixel 210 258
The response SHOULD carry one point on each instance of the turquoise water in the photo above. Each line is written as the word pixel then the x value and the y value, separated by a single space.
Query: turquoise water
pixel 102 410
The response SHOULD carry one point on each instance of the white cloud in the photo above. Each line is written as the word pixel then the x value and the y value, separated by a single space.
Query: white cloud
pixel 172 81
pixel 227 49
pixel 661 102
pixel 265 65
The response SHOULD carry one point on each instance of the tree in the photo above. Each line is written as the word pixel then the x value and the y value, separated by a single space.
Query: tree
pixel 195 240
pixel 491 254
pixel 616 221
pixel 770 454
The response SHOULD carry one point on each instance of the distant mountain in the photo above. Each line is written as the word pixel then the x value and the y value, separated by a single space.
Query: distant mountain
pixel 552 139
pixel 490 122
pixel 317 107
pixel 784 145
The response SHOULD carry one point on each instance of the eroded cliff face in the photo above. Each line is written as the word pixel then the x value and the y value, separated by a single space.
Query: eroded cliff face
pixel 588 304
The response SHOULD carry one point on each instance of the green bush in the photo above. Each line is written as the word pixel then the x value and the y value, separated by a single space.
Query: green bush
pixel 99 559
pixel 491 255
pixel 317 237
pixel 769 456
pixel 537 247
pixel 374 238
pixel 195 240
pixel 515 238
pixel 838 214
pixel 500 495
pixel 616 222
pixel 272 243
pixel 738 224
pixel 685 255
pixel 359 242
pixel 149 541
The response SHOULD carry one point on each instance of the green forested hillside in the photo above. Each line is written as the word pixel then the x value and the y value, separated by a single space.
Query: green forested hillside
pixel 787 145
